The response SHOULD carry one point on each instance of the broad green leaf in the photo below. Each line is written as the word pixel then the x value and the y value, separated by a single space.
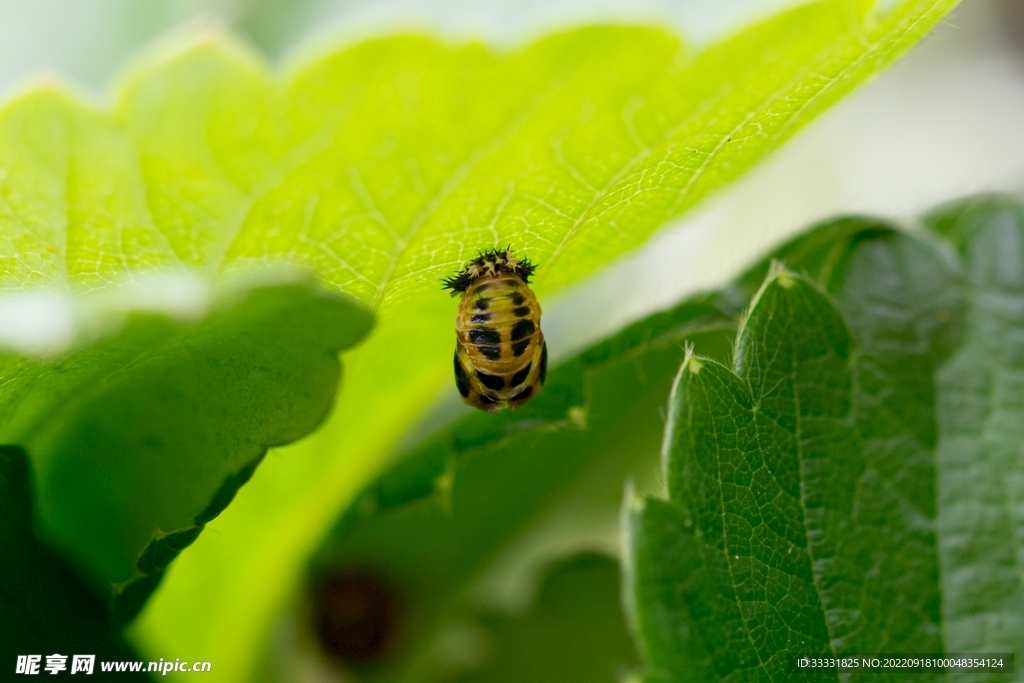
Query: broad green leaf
pixel 801 513
pixel 573 631
pixel 142 436
pixel 46 606
pixel 383 167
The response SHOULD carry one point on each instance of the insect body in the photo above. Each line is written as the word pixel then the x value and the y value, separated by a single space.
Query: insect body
pixel 500 354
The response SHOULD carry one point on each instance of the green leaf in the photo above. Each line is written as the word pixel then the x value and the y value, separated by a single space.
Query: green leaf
pixel 738 476
pixel 573 631
pixel 383 167
pixel 814 470
pixel 142 436
pixel 46 606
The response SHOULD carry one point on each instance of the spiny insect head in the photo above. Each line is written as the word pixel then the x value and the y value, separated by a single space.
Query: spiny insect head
pixel 489 262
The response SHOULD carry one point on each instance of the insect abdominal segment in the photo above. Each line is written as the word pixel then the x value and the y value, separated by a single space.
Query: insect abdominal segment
pixel 500 354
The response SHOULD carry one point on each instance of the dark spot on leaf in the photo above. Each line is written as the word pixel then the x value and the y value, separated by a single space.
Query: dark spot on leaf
pixel 521 312
pixel 519 348
pixel 356 613
pixel 520 376
pixel 491 381
pixel 480 317
pixel 484 335
pixel 522 329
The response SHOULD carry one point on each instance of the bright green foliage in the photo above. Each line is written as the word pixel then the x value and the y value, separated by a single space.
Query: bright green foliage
pixel 383 167
pixel 573 631
pixel 850 486
pixel 142 437
pixel 46 606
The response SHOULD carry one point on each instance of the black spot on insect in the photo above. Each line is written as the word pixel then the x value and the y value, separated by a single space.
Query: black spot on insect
pixel 482 304
pixel 519 348
pixel 518 299
pixel 522 329
pixel 491 381
pixel 491 352
pixel 524 394
pixel 522 311
pixel 461 381
pixel 484 335
pixel 356 614
pixel 520 376
pixel 484 398
pixel 480 317
pixel 543 374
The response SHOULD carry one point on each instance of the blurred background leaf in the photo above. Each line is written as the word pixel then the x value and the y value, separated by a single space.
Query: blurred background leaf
pixel 980 486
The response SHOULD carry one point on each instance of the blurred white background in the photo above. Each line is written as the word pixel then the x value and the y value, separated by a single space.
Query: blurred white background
pixel 946 121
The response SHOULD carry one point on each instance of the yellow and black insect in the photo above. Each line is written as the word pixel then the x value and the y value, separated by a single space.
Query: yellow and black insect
pixel 501 358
